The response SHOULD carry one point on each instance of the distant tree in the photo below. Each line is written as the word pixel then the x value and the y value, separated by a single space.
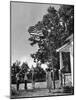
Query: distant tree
pixel 40 74
pixel 15 68
pixel 24 69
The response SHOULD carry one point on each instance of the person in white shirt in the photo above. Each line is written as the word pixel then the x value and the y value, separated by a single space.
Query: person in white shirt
pixel 33 78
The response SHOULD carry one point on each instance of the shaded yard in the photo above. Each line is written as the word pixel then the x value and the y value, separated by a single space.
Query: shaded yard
pixel 40 90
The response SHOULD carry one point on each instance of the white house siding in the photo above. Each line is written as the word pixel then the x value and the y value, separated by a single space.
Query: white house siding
pixel 67 48
pixel 71 58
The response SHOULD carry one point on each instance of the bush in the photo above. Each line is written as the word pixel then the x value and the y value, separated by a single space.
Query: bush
pixel 13 91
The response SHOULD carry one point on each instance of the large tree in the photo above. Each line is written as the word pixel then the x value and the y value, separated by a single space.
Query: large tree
pixel 50 33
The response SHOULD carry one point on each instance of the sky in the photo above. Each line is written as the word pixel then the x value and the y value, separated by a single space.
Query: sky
pixel 24 15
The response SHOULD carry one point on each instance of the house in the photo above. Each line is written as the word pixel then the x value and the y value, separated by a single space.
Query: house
pixel 66 55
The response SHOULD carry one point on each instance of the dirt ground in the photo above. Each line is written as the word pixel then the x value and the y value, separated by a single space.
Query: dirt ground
pixel 40 90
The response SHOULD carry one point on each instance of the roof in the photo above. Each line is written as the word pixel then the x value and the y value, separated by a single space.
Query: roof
pixel 66 46
pixel 63 48
pixel 70 37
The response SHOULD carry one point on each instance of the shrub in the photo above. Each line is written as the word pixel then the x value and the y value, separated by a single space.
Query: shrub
pixel 13 91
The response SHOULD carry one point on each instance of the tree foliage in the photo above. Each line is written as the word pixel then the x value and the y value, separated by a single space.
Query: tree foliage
pixel 17 67
pixel 51 32
pixel 39 73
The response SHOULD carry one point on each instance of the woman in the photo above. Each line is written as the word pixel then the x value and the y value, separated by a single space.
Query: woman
pixel 49 79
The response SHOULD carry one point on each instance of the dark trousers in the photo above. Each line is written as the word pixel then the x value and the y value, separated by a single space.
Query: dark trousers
pixel 25 84
pixel 17 85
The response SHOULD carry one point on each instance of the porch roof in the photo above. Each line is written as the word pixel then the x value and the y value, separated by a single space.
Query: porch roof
pixel 64 48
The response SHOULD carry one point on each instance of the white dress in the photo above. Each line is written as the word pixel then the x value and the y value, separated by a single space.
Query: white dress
pixel 17 76
pixel 49 80
pixel 25 77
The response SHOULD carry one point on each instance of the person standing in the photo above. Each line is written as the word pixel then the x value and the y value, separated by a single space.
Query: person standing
pixel 49 79
pixel 33 77
pixel 25 80
pixel 17 80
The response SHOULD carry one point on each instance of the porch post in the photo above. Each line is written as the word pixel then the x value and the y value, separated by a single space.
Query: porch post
pixel 71 61
pixel 61 61
pixel 61 66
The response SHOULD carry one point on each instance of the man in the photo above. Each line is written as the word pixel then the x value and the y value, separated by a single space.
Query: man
pixel 17 80
pixel 25 79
